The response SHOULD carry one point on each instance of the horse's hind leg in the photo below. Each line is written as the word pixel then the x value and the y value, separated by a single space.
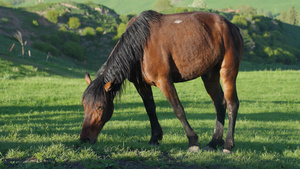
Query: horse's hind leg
pixel 145 92
pixel 228 77
pixel 214 89
pixel 168 89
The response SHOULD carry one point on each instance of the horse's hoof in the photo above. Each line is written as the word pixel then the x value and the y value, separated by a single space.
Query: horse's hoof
pixel 209 149
pixel 194 149
pixel 226 151
pixel 153 143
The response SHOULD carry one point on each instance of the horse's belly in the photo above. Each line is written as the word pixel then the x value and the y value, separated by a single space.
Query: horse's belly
pixel 191 67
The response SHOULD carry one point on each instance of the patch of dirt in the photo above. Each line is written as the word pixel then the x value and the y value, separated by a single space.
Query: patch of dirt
pixel 69 5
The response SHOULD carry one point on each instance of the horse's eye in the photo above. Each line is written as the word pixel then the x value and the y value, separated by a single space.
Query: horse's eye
pixel 100 108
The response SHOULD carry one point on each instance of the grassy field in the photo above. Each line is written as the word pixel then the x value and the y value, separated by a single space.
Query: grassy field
pixel 41 117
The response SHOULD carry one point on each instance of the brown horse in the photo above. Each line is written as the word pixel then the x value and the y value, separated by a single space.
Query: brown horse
pixel 160 50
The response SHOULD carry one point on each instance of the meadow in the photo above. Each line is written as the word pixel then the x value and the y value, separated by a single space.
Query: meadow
pixel 41 117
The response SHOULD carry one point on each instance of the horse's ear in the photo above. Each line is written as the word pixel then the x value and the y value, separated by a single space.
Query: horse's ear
pixel 88 78
pixel 108 86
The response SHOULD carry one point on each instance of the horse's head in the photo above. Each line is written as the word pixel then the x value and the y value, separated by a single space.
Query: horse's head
pixel 96 113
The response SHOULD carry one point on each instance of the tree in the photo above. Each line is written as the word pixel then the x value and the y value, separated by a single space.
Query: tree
pixel 52 16
pixel 74 23
pixel 283 16
pixel 292 16
pixel 162 4
pixel 199 4
pixel 246 10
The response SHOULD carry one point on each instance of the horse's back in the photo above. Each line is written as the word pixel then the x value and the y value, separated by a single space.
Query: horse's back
pixel 185 46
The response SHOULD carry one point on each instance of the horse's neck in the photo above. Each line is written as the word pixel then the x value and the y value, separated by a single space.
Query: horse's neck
pixel 114 72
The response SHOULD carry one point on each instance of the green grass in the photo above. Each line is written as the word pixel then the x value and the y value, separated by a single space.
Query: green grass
pixel 41 117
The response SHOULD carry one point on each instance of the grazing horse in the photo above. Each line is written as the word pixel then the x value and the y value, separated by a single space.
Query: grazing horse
pixel 161 50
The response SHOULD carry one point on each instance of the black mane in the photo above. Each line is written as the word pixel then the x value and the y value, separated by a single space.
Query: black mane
pixel 124 62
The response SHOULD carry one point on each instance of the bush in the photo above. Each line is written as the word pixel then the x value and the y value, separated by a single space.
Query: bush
pixel 73 49
pixel 99 30
pixel 280 55
pixel 88 31
pixel 239 21
pixel 121 29
pixel 69 36
pixel 52 16
pixel 62 29
pixel 35 23
pixel 43 37
pixel 74 23
pixel 262 24
pixel 180 10
pixel 63 13
pixel 124 18
pixel 55 40
pixel 45 47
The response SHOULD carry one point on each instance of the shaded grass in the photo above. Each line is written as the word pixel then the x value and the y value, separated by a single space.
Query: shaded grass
pixel 41 119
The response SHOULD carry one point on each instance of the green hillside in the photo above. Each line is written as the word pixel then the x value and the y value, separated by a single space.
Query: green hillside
pixel 136 6
pixel 91 42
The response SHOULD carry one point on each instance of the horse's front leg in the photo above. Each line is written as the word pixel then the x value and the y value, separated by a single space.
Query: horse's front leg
pixel 170 93
pixel 145 92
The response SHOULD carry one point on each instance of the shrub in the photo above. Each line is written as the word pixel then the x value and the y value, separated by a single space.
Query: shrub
pixel 4 20
pixel 73 49
pixel 43 37
pixel 63 13
pixel 239 21
pixel 55 40
pixel 280 55
pixel 74 23
pixel 45 47
pixel 264 23
pixel 63 29
pixel 88 31
pixel 124 18
pixel 35 23
pixel 121 29
pixel 99 30
pixel 69 36
pixel 52 16
pixel 180 10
